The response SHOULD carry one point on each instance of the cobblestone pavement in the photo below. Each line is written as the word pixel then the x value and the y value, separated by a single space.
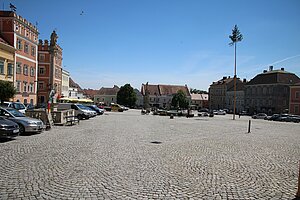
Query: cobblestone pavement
pixel 132 156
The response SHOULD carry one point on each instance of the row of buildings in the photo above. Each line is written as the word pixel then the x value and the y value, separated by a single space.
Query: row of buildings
pixel 273 91
pixel 34 66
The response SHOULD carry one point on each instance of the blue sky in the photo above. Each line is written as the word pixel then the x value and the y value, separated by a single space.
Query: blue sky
pixel 167 41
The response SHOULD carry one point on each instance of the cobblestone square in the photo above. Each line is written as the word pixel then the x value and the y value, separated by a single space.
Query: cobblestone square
pixel 132 156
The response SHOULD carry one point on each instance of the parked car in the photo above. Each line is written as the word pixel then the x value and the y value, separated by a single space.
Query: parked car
pixel 282 117
pixel 99 111
pixel 8 129
pixel 16 105
pixel 274 117
pixel 203 110
pixel 81 111
pixel 116 107
pixel 292 118
pixel 260 116
pixel 221 112
pixel 26 124
pixel 91 112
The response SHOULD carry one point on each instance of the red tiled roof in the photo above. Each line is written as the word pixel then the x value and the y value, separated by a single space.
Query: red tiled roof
pixel 109 91
pixel 90 92
pixel 164 89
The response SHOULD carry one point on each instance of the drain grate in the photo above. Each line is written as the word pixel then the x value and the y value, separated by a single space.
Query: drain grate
pixel 155 142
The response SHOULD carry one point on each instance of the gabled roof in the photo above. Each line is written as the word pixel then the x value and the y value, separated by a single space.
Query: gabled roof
pixel 223 81
pixel 90 92
pixel 109 91
pixel 199 97
pixel 74 85
pixel 275 77
pixel 160 90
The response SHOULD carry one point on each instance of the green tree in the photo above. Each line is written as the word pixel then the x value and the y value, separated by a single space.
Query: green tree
pixel 235 37
pixel 196 91
pixel 180 100
pixel 126 96
pixel 7 91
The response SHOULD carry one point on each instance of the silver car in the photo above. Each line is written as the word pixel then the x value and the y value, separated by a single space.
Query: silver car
pixel 26 124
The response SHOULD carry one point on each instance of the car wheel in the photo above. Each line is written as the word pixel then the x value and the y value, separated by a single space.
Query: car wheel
pixel 79 117
pixel 21 129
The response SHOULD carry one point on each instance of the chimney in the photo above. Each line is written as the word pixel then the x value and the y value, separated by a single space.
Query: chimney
pixel 282 69
pixel 265 71
pixel 224 77
pixel 244 80
pixel 228 76
pixel 270 68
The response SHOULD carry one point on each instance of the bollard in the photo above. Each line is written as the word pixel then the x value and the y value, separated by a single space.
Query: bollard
pixel 171 116
pixel 249 126
pixel 298 192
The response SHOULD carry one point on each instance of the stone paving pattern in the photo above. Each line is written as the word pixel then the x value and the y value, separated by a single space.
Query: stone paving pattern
pixel 112 157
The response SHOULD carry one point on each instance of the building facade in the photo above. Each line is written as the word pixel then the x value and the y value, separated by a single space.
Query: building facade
pixel 49 70
pixel 107 95
pixel 7 60
pixel 295 99
pixel 240 97
pixel 160 96
pixel 199 101
pixel 75 91
pixel 65 76
pixel 23 36
pixel 218 91
pixel 269 92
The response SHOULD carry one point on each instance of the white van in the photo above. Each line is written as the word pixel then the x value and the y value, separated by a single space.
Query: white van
pixel 80 110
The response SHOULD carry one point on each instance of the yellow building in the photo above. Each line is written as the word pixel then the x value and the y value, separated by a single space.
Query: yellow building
pixel 7 55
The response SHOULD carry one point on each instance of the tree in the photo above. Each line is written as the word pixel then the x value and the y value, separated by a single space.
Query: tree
pixel 195 91
pixel 180 100
pixel 126 96
pixel 235 38
pixel 7 90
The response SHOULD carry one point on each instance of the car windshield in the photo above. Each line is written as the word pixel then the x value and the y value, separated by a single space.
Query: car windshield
pixel 82 107
pixel 19 106
pixel 15 112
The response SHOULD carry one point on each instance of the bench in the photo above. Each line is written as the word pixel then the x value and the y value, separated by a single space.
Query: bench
pixel 71 120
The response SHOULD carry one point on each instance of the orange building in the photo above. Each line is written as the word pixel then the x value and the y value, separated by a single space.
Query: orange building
pixel 49 70
pixel 23 36
pixel 295 99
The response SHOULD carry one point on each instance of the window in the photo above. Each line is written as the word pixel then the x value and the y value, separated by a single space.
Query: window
pixel 17 28
pixel 33 51
pixel 31 71
pixel 10 69
pixel 270 90
pixel 25 70
pixel 31 88
pixel 264 90
pixel 42 57
pixel 24 86
pixel 18 86
pixel 296 109
pixel 42 99
pixel 41 86
pixel 26 48
pixel 19 68
pixel 1 67
pixel 19 44
pixel 41 70
pixel 297 95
